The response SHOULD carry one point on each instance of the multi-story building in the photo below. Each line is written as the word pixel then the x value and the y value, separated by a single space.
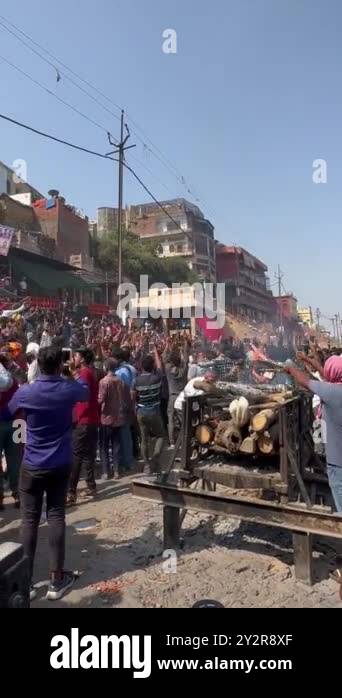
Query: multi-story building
pixel 287 317
pixel 107 221
pixel 67 226
pixel 185 233
pixel 306 316
pixel 93 230
pixel 50 240
pixel 247 285
pixel 287 307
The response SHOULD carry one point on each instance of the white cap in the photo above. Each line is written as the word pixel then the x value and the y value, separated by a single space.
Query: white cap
pixel 32 348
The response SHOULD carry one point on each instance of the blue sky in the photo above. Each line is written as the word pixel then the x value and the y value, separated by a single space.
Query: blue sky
pixel 251 98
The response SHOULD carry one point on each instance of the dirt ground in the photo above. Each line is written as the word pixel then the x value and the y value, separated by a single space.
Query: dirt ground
pixel 115 542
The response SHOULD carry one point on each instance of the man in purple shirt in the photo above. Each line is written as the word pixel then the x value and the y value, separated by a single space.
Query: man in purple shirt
pixel 48 404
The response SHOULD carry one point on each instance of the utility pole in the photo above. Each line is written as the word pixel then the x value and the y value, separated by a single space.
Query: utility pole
pixel 279 277
pixel 121 160
pixel 120 151
pixel 333 326
pixel 337 328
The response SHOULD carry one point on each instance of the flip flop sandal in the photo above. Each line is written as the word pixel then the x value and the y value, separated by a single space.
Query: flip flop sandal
pixel 337 577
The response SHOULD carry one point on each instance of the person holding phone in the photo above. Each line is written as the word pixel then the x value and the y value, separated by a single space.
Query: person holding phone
pixel 48 405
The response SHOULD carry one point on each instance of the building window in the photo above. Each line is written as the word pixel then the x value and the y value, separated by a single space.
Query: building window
pixel 179 248
pixel 171 248
pixel 201 246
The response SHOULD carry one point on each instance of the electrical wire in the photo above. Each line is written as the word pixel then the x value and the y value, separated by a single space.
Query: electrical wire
pixel 93 152
pixel 58 71
pixel 162 158
pixel 151 173
pixel 73 82
pixel 57 60
pixel 53 94
pixel 54 138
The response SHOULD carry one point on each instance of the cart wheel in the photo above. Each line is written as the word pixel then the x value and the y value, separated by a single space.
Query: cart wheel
pixel 207 603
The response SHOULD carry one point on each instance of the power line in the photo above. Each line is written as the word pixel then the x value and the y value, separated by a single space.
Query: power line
pixel 46 60
pixel 152 174
pixel 109 111
pixel 59 61
pixel 164 161
pixel 73 82
pixel 59 72
pixel 54 138
pixel 93 152
pixel 53 94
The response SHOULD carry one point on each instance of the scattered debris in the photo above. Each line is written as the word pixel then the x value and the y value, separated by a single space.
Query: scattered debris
pixel 85 525
pixel 109 586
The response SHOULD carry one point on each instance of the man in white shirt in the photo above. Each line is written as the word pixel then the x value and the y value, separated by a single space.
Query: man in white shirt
pixel 198 386
pixel 46 338
pixel 32 351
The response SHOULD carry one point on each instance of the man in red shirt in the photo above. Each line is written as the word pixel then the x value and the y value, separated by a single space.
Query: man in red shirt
pixel 86 420
pixel 8 445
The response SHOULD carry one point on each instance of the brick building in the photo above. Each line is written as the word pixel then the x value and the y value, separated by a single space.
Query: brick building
pixel 247 285
pixel 64 224
pixel 287 306
pixel 50 241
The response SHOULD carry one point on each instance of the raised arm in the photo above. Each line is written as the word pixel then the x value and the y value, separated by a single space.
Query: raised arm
pixel 157 359
pixel 299 376
pixel 312 362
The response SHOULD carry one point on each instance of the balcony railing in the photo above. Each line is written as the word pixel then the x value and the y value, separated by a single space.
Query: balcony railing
pixel 35 242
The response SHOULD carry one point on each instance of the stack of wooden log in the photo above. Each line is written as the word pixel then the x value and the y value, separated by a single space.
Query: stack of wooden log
pixel 250 427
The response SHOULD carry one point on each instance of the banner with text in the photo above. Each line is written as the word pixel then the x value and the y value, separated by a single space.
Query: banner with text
pixel 6 235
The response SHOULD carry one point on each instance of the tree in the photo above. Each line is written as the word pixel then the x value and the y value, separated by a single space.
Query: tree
pixel 175 269
pixel 141 257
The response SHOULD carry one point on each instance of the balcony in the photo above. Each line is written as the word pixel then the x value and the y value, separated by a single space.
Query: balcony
pixel 36 243
pixel 185 252
pixel 255 285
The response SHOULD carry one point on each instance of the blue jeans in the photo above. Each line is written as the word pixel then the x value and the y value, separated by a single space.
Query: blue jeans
pixel 335 482
pixel 126 447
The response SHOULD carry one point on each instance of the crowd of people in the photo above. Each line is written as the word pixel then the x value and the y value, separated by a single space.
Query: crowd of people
pixel 88 391
pixel 91 390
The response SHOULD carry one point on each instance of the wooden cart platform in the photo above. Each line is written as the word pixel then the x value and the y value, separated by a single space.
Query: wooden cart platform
pixel 302 521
